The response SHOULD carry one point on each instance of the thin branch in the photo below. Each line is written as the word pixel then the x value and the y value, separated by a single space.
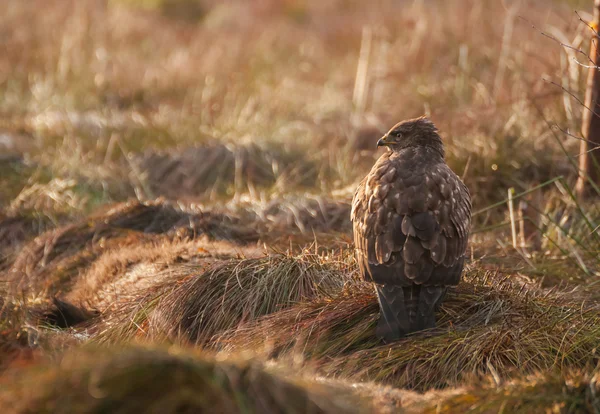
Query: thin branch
pixel 588 151
pixel 556 138
pixel 571 94
pixel 573 136
pixel 574 164
pixel 559 42
pixel 584 66
pixel 587 24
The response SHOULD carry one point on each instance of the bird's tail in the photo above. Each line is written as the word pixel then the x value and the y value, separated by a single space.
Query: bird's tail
pixel 406 309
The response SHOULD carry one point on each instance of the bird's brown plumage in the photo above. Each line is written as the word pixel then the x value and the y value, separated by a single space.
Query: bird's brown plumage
pixel 411 218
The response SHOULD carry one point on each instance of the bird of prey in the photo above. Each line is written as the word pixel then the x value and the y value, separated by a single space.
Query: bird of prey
pixel 411 218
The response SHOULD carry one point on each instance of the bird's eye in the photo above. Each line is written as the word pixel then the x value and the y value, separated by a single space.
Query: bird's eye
pixel 397 134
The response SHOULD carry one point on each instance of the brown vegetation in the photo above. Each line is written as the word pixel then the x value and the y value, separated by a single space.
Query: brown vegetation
pixel 48 264
pixel 488 326
pixel 191 302
pixel 253 122
pixel 160 381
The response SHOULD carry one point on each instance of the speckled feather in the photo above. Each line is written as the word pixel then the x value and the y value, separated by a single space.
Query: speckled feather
pixel 410 214
pixel 411 218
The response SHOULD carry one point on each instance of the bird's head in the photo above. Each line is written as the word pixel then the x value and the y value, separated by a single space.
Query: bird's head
pixel 418 132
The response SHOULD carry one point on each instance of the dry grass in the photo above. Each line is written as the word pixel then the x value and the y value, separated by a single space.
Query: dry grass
pixel 256 112
pixel 192 302
pixel 160 381
pixel 124 284
pixel 85 102
pixel 323 328
pixel 13 335
pixel 49 263
pixel 210 171
pixel 490 325
pixel 569 393
pixel 290 214
pixel 14 232
pixel 118 274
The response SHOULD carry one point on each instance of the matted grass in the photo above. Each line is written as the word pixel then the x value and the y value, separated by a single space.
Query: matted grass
pixel 489 325
pixel 118 275
pixel 219 169
pixel 163 381
pixel 14 342
pixel 198 303
pixel 568 393
pixel 260 101
pixel 289 214
pixel 50 262
pixel 15 231
pixel 124 284
pixel 323 328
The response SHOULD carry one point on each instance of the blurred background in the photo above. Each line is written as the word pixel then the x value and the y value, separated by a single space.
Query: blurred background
pixel 207 100
pixel 152 152
pixel 251 105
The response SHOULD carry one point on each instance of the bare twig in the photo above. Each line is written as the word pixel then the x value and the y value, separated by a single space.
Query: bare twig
pixel 572 95
pixel 580 51
pixel 587 24
pixel 511 211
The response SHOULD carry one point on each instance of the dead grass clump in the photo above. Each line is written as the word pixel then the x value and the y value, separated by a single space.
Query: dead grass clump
pixel 15 230
pixel 132 316
pixel 488 325
pixel 568 393
pixel 22 334
pixel 56 198
pixel 328 326
pixel 235 292
pixel 501 331
pixel 13 347
pixel 119 275
pixel 14 342
pixel 216 169
pixel 124 285
pixel 290 214
pixel 49 263
pixel 156 381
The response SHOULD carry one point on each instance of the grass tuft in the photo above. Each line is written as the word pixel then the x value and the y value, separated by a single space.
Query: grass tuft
pixel 198 303
pixel 488 325
pixel 219 169
pixel 50 262
pixel 161 381
pixel 569 393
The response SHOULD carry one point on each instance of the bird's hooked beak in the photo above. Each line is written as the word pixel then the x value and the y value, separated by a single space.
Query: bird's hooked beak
pixel 382 141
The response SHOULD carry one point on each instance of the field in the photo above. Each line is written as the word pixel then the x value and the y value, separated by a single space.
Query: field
pixel 175 187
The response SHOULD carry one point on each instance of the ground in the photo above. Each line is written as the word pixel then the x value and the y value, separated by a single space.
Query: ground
pixel 175 180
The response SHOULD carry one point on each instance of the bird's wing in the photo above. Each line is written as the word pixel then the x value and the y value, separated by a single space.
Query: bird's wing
pixel 411 227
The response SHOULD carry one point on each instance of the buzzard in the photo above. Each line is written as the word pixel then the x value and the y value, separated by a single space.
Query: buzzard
pixel 411 218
